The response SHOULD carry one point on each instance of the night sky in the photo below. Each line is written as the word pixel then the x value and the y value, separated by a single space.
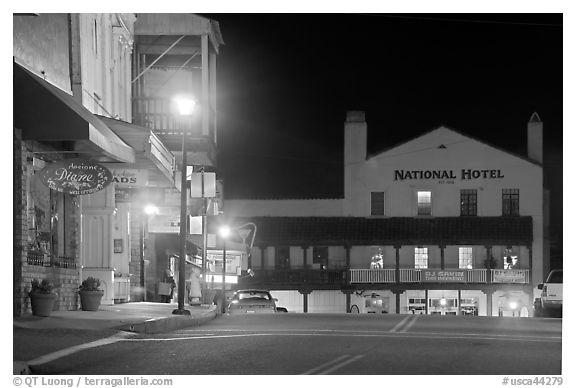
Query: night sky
pixel 285 82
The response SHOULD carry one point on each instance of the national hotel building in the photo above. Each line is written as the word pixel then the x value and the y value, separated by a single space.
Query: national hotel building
pixel 440 224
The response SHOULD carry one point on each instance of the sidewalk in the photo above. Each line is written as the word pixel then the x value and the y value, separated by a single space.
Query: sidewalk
pixel 36 336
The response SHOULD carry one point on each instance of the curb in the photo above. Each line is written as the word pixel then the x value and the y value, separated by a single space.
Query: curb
pixel 151 326
pixel 164 324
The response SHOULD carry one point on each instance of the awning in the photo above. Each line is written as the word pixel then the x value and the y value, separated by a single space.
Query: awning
pixel 46 113
pixel 151 153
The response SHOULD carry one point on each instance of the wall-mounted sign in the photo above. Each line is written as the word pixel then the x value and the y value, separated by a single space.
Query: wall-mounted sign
pixel 443 276
pixel 465 174
pixel 75 176
pixel 509 276
pixel 129 177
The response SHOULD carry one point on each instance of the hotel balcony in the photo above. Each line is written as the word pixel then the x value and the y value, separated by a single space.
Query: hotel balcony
pixel 336 278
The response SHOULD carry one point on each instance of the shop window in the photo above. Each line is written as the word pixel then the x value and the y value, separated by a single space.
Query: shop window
pixel 468 202
pixel 420 257
pixel 510 202
pixel 465 258
pixel 469 306
pixel 52 232
pixel 424 203
pixel 417 305
pixel 377 259
pixel 282 258
pixel 320 256
pixel 377 203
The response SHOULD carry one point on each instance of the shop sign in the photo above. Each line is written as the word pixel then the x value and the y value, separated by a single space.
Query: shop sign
pixel 75 176
pixel 443 276
pixel 509 276
pixel 129 177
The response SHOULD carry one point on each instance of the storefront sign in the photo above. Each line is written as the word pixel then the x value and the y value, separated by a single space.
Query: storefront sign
pixel 75 176
pixel 129 177
pixel 465 174
pixel 509 276
pixel 435 275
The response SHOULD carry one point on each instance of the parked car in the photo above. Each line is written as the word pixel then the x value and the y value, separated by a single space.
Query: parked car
pixel 551 297
pixel 252 302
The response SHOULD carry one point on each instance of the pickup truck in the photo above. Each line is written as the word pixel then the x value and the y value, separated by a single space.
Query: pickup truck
pixel 551 297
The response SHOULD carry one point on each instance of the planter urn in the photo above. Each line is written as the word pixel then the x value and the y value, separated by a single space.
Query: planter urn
pixel 90 300
pixel 42 303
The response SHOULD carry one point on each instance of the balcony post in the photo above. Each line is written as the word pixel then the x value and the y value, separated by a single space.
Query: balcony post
pixel 305 255
pixel 264 256
pixel 489 265
pixel 397 247
pixel 442 263
pixel 305 291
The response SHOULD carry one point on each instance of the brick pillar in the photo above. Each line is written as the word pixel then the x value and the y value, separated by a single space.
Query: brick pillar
pixel 20 222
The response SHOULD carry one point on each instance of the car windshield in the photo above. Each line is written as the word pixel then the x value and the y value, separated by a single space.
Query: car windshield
pixel 555 277
pixel 253 295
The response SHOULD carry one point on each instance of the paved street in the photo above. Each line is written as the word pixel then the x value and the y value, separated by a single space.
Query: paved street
pixel 331 344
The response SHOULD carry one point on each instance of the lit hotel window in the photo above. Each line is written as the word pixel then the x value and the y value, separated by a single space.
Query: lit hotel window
pixel 510 202
pixel 465 257
pixel 377 203
pixel 420 257
pixel 424 203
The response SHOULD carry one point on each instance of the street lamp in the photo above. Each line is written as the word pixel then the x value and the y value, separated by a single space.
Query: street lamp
pixel 148 211
pixel 224 232
pixel 185 108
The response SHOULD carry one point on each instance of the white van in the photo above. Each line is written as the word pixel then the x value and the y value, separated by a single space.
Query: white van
pixel 551 297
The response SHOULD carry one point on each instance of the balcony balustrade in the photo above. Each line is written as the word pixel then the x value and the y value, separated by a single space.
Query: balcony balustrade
pixel 372 276
pixel 297 276
pixel 45 260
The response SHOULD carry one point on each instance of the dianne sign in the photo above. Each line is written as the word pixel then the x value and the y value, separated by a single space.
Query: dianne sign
pixel 75 176
pixel 431 275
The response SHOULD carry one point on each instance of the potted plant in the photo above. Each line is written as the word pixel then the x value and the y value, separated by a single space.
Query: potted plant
pixel 90 294
pixel 42 297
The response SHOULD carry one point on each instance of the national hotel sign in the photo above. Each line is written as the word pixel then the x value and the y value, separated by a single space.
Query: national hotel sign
pixel 464 174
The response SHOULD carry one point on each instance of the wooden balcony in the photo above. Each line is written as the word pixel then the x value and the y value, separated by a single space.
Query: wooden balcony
pixel 449 275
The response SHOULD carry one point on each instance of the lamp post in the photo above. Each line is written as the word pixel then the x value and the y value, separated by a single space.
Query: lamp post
pixel 148 211
pixel 185 108
pixel 224 232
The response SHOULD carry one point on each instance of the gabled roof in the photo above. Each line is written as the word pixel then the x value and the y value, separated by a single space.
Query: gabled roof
pixel 525 158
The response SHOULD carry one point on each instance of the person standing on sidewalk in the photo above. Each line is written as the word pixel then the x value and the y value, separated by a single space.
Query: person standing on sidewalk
pixel 166 287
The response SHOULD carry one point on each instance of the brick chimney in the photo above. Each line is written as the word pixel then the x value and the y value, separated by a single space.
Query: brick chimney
pixel 355 137
pixel 535 138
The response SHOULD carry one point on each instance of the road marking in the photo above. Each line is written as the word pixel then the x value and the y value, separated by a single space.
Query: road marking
pixel 325 365
pixel 409 324
pixel 341 364
pixel 381 334
pixel 74 349
pixel 408 321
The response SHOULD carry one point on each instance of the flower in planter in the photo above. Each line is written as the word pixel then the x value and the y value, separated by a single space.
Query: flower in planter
pixel 42 287
pixel 90 284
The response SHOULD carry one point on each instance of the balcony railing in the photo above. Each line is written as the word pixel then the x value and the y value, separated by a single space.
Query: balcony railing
pixel 45 260
pixel 410 275
pixel 157 114
pixel 372 276
pixel 297 276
